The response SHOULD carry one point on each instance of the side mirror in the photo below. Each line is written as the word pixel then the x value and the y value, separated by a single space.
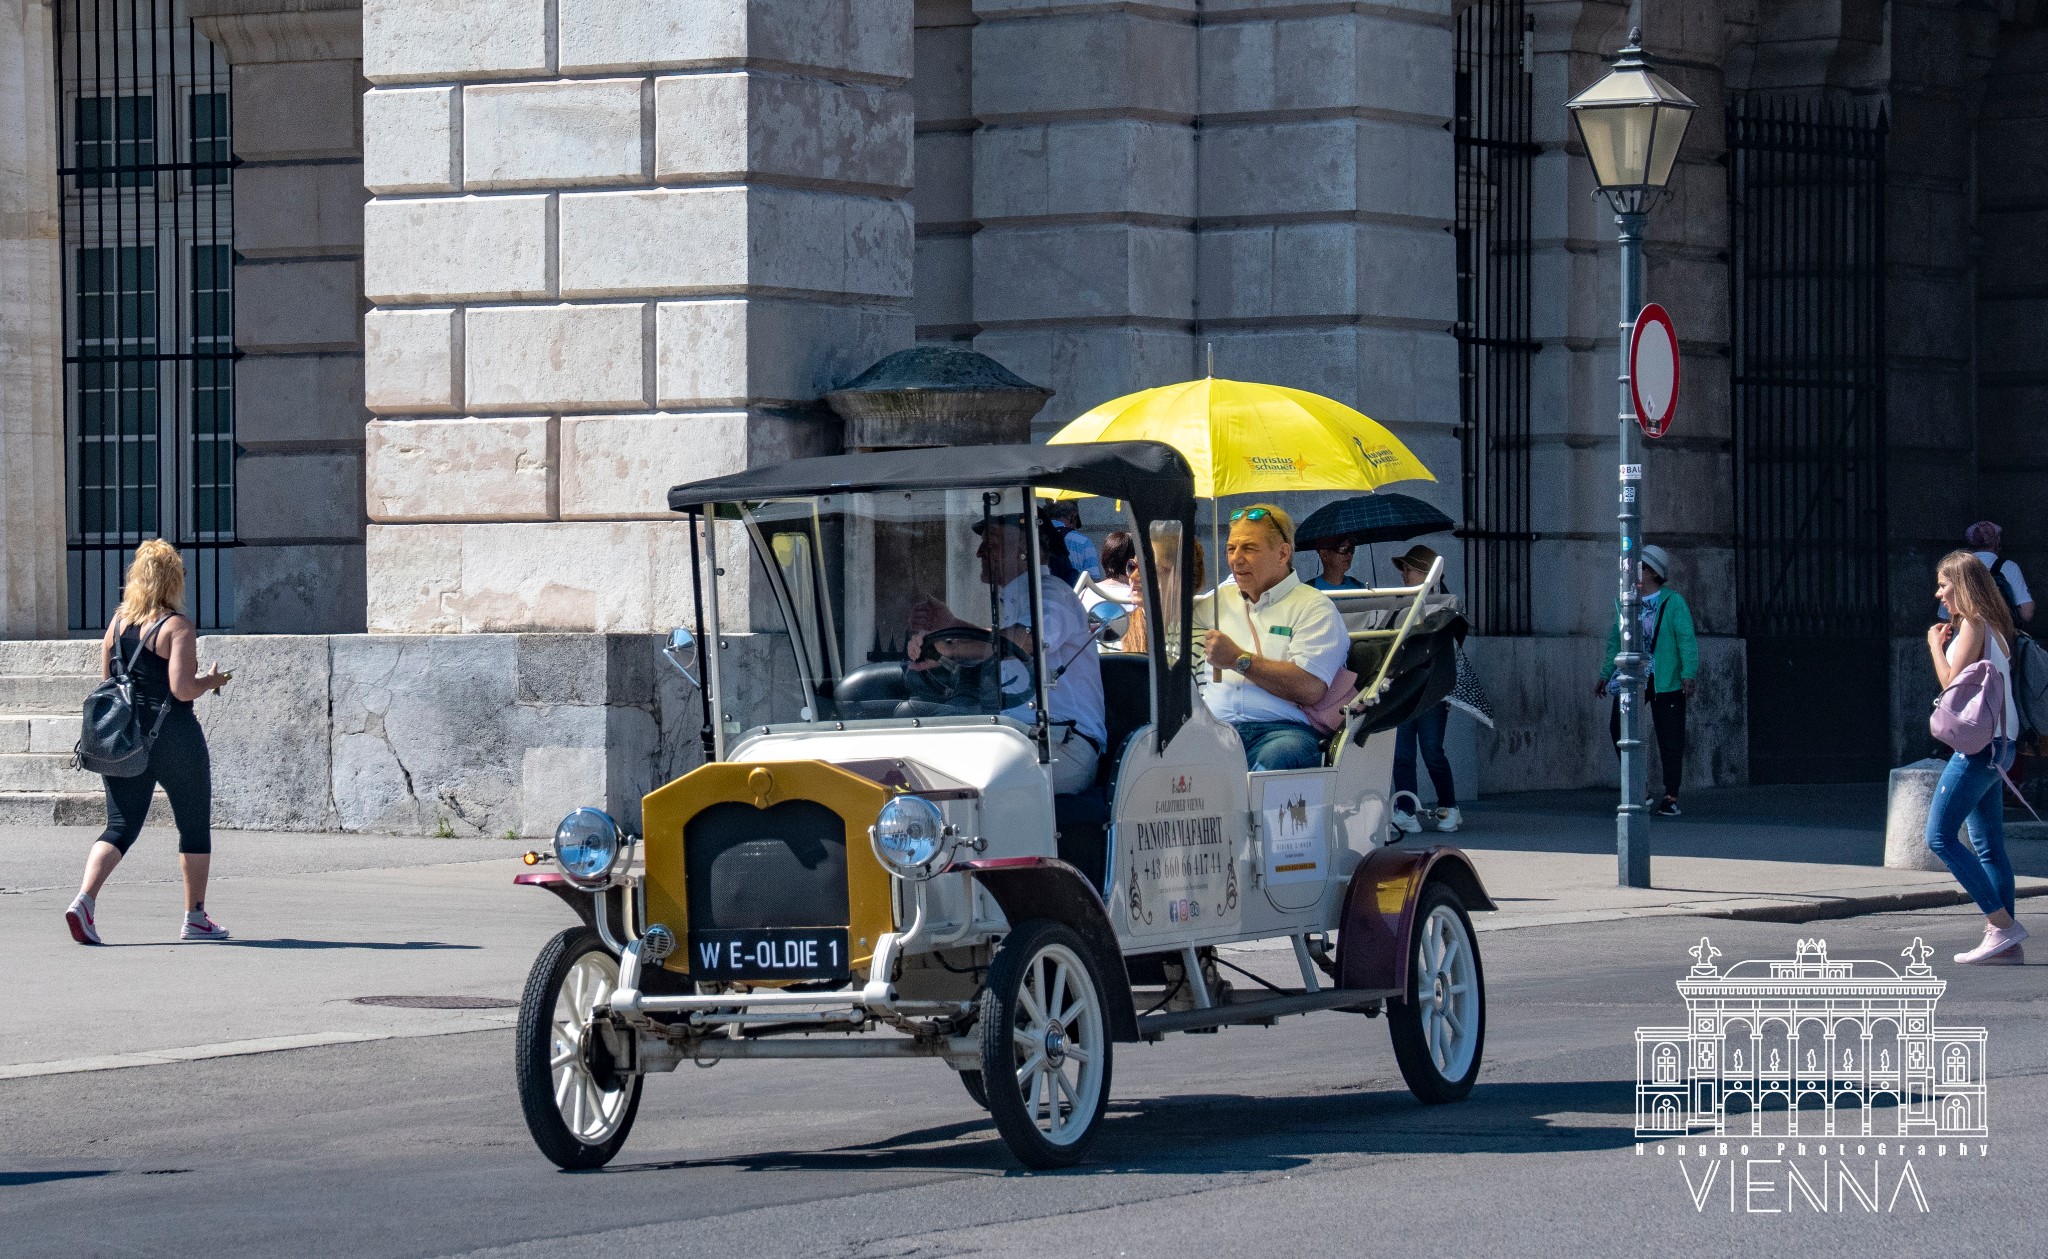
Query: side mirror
pixel 682 643
pixel 1109 619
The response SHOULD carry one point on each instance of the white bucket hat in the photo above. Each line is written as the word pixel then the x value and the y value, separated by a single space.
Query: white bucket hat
pixel 1658 561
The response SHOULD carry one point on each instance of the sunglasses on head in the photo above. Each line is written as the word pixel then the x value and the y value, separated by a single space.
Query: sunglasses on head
pixel 1258 513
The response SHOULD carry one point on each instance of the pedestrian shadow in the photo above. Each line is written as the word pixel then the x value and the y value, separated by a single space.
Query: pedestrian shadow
pixel 408 946
pixel 1233 1132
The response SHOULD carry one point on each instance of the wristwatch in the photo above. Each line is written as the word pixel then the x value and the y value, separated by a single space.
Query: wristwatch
pixel 1244 663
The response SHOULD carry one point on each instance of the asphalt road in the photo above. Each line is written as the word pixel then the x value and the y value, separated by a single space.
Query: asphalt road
pixel 1296 1140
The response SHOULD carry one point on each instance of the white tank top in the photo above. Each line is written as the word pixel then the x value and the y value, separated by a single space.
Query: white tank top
pixel 1994 651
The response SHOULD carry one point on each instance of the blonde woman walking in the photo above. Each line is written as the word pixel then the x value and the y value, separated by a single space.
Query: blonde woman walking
pixel 149 629
pixel 1971 791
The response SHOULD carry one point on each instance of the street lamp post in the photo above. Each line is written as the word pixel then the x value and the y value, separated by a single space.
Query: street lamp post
pixel 1631 122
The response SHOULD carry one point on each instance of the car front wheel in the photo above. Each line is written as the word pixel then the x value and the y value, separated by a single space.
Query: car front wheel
pixel 579 1105
pixel 1045 1051
pixel 1440 1030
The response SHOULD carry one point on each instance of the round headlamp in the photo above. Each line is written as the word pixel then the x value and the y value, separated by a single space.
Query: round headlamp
pixel 587 846
pixel 910 837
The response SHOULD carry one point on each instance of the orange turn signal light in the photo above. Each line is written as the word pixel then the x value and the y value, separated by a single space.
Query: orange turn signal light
pixel 531 858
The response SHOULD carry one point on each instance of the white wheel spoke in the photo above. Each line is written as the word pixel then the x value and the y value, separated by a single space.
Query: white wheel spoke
pixel 1027 996
pixel 1030 1068
pixel 1075 1053
pixel 563 1056
pixel 1025 1041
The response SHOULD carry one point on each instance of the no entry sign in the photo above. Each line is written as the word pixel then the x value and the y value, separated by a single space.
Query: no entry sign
pixel 1653 370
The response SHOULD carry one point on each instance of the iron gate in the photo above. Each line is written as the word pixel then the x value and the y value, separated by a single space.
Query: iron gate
pixel 1806 263
pixel 147 172
pixel 1495 158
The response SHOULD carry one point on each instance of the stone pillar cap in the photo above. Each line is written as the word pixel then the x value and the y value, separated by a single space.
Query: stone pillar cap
pixel 937 395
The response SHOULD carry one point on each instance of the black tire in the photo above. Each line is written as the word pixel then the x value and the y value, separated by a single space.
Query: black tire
pixel 1038 956
pixel 1434 986
pixel 971 1081
pixel 616 1098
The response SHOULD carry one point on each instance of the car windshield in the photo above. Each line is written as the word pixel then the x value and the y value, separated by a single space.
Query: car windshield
pixel 898 606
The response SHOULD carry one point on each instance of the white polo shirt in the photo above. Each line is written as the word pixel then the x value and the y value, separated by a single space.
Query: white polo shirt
pixel 1064 635
pixel 1293 622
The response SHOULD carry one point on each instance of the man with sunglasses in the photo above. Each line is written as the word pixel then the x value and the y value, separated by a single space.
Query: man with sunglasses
pixel 1273 643
pixel 1336 555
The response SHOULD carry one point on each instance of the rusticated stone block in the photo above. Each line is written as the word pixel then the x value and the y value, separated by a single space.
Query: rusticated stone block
pixel 268 732
pixel 730 352
pixel 298 398
pixel 409 360
pixel 531 135
pixel 454 39
pixel 464 469
pixel 299 588
pixel 1103 60
pixel 1087 365
pixel 629 576
pixel 1096 167
pixel 455 248
pixel 630 242
pixel 554 358
pixel 1080 272
pixel 309 304
pixel 271 499
pixel 409 140
pixel 868 37
pixel 282 211
pixel 729 126
pixel 302 109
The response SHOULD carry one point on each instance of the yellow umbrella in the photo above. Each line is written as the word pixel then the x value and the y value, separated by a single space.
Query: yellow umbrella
pixel 1242 437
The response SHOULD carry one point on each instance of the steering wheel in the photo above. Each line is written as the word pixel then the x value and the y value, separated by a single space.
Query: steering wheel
pixel 950 680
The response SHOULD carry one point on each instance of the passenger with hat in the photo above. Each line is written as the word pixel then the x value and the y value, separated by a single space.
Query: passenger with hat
pixel 1671 653
pixel 1424 732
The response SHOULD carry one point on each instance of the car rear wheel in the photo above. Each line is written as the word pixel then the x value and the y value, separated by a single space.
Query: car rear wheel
pixel 1440 1030
pixel 579 1106
pixel 971 1081
pixel 1045 1051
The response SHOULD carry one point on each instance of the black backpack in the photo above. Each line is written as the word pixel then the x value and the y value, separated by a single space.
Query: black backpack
pixel 112 740
pixel 2012 605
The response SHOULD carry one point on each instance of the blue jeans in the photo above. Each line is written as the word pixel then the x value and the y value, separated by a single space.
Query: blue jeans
pixel 1971 792
pixel 1279 744
pixel 1426 730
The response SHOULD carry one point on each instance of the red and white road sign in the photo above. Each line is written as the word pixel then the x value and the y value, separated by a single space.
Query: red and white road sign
pixel 1653 370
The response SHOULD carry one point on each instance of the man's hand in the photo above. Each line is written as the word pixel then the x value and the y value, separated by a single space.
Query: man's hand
pixel 1690 686
pixel 1220 651
pixel 1600 689
pixel 929 614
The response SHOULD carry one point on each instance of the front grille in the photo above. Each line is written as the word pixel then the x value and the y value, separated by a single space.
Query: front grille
pixel 782 866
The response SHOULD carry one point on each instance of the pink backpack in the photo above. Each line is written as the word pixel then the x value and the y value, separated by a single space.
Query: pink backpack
pixel 1971 711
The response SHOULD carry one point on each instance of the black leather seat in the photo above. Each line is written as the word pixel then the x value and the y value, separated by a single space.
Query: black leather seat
pixel 1082 819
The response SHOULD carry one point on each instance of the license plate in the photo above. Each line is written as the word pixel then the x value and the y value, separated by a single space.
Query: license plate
pixel 769 953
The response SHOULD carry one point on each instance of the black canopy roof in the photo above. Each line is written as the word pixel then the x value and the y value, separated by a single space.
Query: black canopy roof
pixel 1151 476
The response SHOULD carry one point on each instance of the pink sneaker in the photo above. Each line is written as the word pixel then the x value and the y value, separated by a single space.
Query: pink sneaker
pixel 79 919
pixel 1998 941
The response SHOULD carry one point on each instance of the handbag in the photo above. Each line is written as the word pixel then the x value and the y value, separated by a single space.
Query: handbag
pixel 1326 715
pixel 1970 711
pixel 111 738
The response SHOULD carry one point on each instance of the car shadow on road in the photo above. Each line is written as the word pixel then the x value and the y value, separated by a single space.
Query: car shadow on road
pixel 383 945
pixel 1235 1132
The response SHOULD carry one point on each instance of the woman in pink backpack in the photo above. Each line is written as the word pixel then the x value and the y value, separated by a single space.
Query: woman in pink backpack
pixel 1972 787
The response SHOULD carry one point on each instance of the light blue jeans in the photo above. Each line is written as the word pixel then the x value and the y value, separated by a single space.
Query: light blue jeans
pixel 1280 744
pixel 1972 794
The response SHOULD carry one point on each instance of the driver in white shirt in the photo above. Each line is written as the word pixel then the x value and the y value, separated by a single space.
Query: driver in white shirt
pixel 1079 728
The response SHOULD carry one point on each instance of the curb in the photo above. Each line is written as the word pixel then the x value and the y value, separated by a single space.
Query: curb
pixel 1856 906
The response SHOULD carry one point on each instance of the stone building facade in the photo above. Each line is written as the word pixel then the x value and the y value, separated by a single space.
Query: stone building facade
pixel 506 269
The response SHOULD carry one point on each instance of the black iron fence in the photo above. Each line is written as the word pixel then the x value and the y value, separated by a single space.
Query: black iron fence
pixel 149 322
pixel 1495 158
pixel 1806 185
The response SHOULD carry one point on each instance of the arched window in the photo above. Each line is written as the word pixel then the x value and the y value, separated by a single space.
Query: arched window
pixel 1667 1065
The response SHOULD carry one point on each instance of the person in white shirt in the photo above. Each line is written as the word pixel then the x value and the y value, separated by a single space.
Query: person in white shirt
pixel 1079 725
pixel 1273 643
pixel 1987 540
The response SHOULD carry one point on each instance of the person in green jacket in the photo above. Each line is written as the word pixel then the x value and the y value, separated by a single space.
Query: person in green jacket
pixel 1674 669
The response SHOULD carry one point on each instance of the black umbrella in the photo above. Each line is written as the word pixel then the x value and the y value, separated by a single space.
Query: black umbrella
pixel 1372 518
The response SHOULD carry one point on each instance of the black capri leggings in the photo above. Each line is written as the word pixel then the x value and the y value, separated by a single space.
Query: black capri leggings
pixel 180 763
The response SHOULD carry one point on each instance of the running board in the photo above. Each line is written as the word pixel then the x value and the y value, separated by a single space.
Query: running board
pixel 1262 1009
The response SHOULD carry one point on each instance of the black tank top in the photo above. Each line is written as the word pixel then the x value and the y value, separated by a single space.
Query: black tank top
pixel 151 673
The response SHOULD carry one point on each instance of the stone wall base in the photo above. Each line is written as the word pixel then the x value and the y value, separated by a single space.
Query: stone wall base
pixel 478 734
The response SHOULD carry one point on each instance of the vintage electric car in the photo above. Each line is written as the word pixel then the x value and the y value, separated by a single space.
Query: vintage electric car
pixel 873 863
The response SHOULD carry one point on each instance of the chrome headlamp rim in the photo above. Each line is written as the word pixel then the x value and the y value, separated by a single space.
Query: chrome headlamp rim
pixel 581 832
pixel 916 861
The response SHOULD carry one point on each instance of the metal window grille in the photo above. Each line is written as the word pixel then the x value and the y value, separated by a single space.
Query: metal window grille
pixel 148 267
pixel 1806 191
pixel 1495 157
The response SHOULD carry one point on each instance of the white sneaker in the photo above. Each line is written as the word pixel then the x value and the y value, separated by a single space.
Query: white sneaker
pixel 79 919
pixel 203 929
pixel 1450 819
pixel 1407 823
pixel 1997 941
